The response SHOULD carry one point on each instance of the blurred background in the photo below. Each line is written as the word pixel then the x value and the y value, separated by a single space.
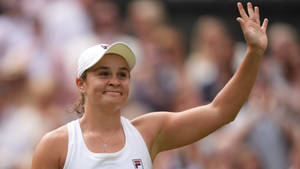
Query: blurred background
pixel 186 52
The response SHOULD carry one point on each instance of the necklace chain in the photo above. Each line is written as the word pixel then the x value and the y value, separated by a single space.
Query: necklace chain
pixel 105 143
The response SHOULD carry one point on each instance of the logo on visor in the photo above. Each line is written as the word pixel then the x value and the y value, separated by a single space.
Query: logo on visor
pixel 104 46
pixel 138 164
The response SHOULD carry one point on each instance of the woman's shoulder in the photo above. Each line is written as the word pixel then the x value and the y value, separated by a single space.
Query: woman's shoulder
pixel 56 139
pixel 58 135
pixel 52 148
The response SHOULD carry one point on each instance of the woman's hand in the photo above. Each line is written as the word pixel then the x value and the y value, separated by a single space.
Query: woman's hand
pixel 254 32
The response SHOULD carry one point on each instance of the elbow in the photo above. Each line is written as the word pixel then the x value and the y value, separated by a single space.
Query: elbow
pixel 231 117
pixel 226 119
pixel 231 114
pixel 225 114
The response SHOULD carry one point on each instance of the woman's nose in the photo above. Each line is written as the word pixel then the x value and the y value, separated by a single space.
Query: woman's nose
pixel 114 81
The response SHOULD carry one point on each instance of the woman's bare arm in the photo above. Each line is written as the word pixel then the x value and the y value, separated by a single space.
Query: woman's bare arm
pixel 51 151
pixel 164 131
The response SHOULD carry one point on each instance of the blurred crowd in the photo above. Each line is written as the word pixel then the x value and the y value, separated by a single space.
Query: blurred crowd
pixel 40 41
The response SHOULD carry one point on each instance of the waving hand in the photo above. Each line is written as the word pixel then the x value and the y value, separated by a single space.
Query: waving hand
pixel 254 32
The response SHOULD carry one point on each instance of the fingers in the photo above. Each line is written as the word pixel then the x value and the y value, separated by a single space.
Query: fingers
pixel 250 10
pixel 253 14
pixel 241 21
pixel 242 11
pixel 256 15
pixel 265 24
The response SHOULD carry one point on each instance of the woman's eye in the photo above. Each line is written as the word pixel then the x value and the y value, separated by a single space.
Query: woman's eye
pixel 123 75
pixel 103 73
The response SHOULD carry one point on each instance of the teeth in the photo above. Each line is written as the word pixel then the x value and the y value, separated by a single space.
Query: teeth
pixel 113 92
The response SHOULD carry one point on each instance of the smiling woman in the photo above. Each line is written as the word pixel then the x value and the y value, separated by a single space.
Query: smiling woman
pixel 92 55
pixel 106 83
pixel 102 138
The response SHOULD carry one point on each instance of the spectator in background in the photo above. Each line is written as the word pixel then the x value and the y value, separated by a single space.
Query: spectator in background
pixel 283 68
pixel 20 121
pixel 281 71
pixel 33 105
pixel 284 50
pixel 246 158
pixel 106 21
pixel 29 70
pixel 210 64
pixel 211 55
pixel 15 33
pixel 144 16
pixel 166 76
pixel 267 135
pixel 63 21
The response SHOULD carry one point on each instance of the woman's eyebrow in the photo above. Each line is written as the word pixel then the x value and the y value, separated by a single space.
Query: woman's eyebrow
pixel 124 68
pixel 100 68
pixel 106 68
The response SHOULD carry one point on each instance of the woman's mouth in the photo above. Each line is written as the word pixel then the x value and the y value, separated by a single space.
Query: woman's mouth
pixel 114 93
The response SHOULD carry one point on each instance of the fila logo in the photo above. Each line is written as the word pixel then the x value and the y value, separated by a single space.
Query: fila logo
pixel 138 164
pixel 104 46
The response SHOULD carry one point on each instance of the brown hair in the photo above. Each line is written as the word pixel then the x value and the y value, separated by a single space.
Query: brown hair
pixel 79 105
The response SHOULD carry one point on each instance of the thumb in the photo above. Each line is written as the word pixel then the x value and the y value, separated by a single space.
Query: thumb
pixel 242 22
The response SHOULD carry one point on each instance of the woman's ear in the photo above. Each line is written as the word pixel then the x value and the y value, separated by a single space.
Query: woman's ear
pixel 80 84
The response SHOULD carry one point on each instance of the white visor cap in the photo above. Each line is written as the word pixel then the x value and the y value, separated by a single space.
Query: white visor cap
pixel 92 55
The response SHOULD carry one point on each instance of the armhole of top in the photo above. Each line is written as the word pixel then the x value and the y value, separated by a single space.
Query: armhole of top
pixel 70 127
pixel 140 136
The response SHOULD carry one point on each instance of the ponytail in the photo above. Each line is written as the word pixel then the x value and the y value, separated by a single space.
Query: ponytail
pixel 79 105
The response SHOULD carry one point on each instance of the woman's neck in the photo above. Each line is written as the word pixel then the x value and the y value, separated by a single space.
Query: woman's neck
pixel 101 119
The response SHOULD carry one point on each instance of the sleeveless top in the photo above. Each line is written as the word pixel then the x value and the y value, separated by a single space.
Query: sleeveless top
pixel 134 154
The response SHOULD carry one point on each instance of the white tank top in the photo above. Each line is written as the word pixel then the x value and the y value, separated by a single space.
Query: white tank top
pixel 134 154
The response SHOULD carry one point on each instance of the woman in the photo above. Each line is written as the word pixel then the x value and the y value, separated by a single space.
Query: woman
pixel 104 139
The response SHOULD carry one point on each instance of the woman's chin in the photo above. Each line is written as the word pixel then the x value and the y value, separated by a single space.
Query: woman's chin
pixel 114 102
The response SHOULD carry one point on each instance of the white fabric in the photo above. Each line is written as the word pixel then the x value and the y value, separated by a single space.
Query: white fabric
pixel 129 157
pixel 92 55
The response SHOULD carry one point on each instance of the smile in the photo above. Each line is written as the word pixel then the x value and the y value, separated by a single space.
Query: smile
pixel 113 93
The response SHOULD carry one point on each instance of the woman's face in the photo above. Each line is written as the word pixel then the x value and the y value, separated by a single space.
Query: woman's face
pixel 107 82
